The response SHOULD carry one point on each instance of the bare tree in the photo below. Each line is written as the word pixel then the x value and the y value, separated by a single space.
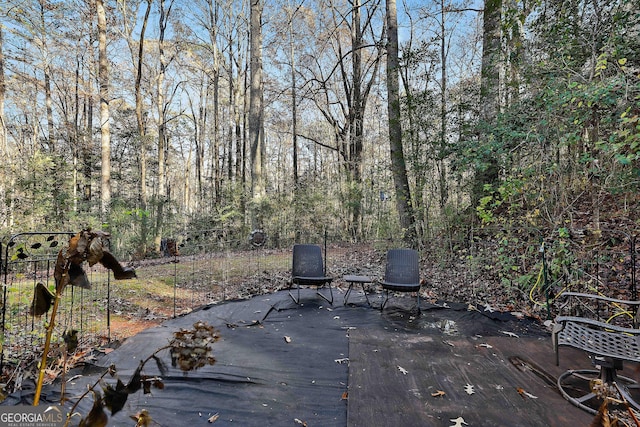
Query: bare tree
pixel 46 68
pixel 256 114
pixel 139 113
pixel 105 132
pixel 294 94
pixel 4 152
pixel 340 92
pixel 137 51
pixel 3 128
pixel 398 166
pixel 212 26
pixel 162 121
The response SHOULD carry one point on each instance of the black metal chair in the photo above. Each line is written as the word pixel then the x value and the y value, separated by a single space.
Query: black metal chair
pixel 402 274
pixel 308 270
pixel 607 345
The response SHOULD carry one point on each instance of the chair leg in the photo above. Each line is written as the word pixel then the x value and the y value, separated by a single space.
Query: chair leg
pixel 346 295
pixel 297 301
pixel 364 291
pixel 330 301
pixel 385 300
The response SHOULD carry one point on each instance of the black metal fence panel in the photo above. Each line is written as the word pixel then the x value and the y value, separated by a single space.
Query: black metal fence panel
pixel 28 262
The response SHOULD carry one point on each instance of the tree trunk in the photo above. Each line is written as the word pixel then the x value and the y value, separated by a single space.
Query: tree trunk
pixel 162 137
pixel 142 131
pixel 356 132
pixel 105 133
pixel 216 164
pixel 87 145
pixel 234 104
pixel 294 101
pixel 3 128
pixel 46 69
pixel 76 135
pixel 442 149
pixel 245 140
pixel 256 115
pixel 490 73
pixel 4 151
pixel 142 134
pixel 398 167
pixel 488 172
pixel 51 133
pixel 200 135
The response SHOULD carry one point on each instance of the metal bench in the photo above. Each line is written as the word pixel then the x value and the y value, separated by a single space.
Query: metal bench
pixel 607 345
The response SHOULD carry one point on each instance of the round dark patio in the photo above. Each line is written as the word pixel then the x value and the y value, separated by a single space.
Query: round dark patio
pixel 314 364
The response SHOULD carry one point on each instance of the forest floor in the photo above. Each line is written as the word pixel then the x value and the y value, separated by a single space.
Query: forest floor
pixel 135 311
pixel 603 259
pixel 454 281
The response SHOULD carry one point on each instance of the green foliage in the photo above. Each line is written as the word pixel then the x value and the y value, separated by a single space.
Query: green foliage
pixel 504 202
pixel 561 258
pixel 577 126
pixel 33 195
pixel 507 255
pixel 130 229
pixel 221 217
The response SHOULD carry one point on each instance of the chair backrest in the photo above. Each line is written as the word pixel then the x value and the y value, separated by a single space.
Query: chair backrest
pixel 402 266
pixel 307 261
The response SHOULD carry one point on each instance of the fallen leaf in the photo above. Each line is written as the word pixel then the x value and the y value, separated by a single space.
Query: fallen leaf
pixel 438 393
pixel 213 418
pixel 345 395
pixel 404 371
pixel 458 422
pixel 469 389
pixel 525 394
